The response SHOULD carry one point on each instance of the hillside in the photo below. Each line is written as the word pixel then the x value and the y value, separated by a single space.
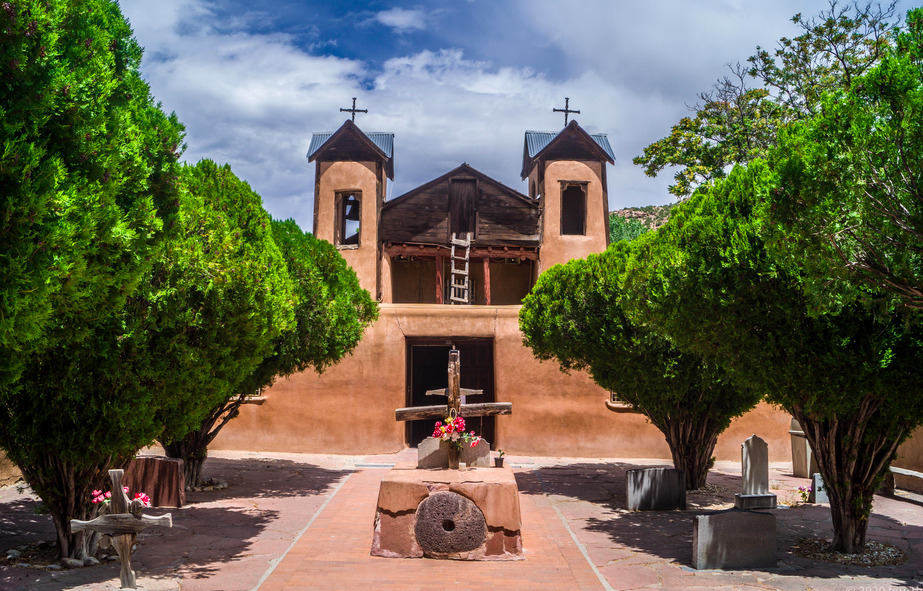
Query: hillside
pixel 650 216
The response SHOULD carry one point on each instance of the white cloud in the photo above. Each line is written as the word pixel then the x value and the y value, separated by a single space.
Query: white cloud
pixel 402 20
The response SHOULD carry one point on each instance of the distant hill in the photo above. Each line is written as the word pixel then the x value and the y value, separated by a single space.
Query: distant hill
pixel 631 222
pixel 650 216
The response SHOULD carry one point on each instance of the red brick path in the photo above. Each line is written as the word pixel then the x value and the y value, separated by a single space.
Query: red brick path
pixel 333 553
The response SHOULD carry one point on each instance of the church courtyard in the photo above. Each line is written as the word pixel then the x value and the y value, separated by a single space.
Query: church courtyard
pixel 304 521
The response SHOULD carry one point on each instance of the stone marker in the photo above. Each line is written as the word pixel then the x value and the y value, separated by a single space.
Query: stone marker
pixel 818 493
pixel 433 452
pixel 656 489
pixel 754 472
pixel 734 539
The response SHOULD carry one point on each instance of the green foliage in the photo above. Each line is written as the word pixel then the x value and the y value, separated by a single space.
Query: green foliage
pixel 577 314
pixel 621 228
pixel 734 123
pixel 218 298
pixel 852 176
pixel 87 188
pixel 718 285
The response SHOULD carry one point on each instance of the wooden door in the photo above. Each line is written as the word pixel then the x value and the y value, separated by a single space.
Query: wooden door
pixel 427 367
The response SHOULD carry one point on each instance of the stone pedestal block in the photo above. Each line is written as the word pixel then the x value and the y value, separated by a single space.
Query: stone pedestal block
pixel 656 489
pixel 748 502
pixel 734 539
pixel 461 515
pixel 434 453
pixel 818 492
pixel 160 478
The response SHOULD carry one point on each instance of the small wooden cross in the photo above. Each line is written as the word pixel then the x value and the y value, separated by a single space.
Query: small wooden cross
pixel 354 110
pixel 454 393
pixel 123 524
pixel 566 110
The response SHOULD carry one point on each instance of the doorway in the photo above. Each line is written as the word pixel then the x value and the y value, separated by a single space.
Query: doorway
pixel 427 369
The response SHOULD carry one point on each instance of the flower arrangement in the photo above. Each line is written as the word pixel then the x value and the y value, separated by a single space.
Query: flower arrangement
pixel 805 493
pixel 104 498
pixel 453 431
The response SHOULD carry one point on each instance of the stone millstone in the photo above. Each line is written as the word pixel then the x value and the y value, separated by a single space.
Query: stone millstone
pixel 448 523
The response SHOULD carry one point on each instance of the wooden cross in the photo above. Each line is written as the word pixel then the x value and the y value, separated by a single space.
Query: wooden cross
pixel 122 524
pixel 454 393
pixel 566 110
pixel 354 110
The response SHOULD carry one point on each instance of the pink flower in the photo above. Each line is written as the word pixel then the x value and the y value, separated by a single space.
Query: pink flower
pixel 108 494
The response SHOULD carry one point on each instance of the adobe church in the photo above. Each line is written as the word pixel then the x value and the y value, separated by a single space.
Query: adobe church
pixel 450 262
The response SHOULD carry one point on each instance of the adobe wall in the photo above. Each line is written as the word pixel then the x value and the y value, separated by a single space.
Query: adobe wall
pixel 350 407
pixel 350 176
pixel 560 249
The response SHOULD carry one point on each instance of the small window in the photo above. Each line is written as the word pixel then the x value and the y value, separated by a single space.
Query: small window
pixel 573 209
pixel 348 216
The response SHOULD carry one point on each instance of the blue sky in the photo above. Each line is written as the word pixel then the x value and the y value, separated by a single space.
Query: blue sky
pixel 456 81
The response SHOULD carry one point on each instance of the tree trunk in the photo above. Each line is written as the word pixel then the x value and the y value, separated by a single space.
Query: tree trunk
pixel 193 450
pixel 691 445
pixel 65 491
pixel 853 460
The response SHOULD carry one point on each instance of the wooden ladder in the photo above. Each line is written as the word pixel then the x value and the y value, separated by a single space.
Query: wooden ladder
pixel 458 283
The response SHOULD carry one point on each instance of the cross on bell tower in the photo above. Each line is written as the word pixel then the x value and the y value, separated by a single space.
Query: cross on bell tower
pixel 354 110
pixel 566 110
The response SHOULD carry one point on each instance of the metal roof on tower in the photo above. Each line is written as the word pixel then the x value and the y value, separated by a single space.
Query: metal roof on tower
pixel 384 141
pixel 537 140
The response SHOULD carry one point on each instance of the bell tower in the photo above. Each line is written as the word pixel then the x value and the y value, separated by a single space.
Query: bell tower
pixel 567 174
pixel 350 183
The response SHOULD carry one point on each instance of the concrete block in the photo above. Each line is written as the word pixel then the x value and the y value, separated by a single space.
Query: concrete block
pixel 434 453
pixel 818 492
pixel 656 489
pixel 734 540
pixel 749 502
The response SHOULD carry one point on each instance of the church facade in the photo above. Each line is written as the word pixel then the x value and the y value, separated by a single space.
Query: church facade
pixel 450 262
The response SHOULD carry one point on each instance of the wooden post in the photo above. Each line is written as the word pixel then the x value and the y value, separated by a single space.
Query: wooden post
pixel 439 280
pixel 454 390
pixel 486 281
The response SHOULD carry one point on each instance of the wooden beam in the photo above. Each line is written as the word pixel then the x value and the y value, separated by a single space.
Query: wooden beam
pixel 424 251
pixel 438 411
pixel 439 280
pixel 486 281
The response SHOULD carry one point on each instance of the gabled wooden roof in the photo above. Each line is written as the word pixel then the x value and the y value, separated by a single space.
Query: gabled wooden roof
pixel 572 143
pixel 351 143
pixel 504 216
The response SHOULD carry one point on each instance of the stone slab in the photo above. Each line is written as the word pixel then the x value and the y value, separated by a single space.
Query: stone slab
pixel 754 466
pixel 656 489
pixel 750 502
pixel 818 493
pixel 158 477
pixel 734 540
pixel 434 453
pixel 405 490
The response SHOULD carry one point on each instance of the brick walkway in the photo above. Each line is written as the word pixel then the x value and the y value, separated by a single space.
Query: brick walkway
pixel 333 553
pixel 298 521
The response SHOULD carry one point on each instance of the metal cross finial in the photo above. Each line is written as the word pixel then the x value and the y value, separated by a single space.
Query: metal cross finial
pixel 566 110
pixel 354 110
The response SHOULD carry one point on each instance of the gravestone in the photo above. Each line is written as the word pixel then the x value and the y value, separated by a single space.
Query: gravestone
pixel 656 489
pixel 734 539
pixel 818 493
pixel 754 473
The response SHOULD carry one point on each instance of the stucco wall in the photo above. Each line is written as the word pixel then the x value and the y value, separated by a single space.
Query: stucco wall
pixel 351 176
pixel 350 408
pixel 560 249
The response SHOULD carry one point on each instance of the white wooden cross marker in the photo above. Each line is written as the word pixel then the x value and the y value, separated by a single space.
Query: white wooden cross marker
pixel 455 402
pixel 123 524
